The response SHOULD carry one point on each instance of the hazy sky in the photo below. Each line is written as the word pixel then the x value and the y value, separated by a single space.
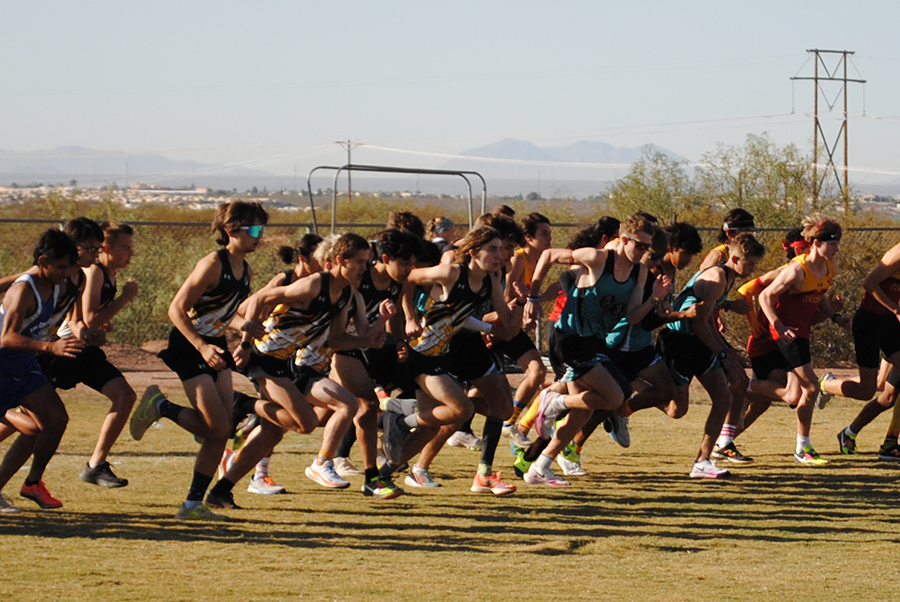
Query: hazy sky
pixel 272 85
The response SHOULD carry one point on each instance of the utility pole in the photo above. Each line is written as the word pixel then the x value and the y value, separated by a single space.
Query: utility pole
pixel 348 145
pixel 831 75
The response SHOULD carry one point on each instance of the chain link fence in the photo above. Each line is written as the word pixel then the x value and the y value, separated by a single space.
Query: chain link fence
pixel 166 252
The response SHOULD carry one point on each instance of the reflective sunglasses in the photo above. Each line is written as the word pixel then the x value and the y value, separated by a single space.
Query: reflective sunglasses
pixel 254 231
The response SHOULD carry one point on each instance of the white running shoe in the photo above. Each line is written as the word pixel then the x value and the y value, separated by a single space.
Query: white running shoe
pixel 7 508
pixel 345 468
pixel 570 468
pixel 467 440
pixel 324 475
pixel 824 397
pixel 543 423
pixel 264 486
pixel 512 432
pixel 705 469
pixel 535 477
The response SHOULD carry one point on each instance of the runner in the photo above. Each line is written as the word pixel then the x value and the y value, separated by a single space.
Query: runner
pixel 790 303
pixel 695 347
pixel 41 418
pixel 204 306
pixel 608 288
pixel 114 242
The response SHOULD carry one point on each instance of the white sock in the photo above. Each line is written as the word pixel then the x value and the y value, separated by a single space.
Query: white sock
pixel 542 463
pixel 412 421
pixel 849 433
pixel 262 468
pixel 802 442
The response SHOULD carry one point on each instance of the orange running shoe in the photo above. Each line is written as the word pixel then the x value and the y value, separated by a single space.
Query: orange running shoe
pixel 492 483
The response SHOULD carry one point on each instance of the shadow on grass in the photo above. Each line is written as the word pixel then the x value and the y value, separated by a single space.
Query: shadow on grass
pixel 780 505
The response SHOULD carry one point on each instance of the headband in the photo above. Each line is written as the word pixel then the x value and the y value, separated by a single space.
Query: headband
pixel 746 223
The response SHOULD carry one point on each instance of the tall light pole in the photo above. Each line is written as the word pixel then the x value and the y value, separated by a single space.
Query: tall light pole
pixel 348 145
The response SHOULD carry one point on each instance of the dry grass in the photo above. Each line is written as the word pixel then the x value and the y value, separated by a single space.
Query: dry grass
pixel 636 529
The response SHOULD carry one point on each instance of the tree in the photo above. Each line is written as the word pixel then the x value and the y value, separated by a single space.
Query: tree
pixel 657 184
pixel 771 182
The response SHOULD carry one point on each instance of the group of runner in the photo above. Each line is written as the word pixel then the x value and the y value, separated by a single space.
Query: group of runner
pixel 407 335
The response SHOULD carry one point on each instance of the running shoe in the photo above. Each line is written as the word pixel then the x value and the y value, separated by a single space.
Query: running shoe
pixel 345 468
pixel 705 469
pixel 511 432
pixel 619 431
pixel 570 468
pixel 7 508
pixel 102 475
pixel 324 475
pixel 221 500
pixel 226 462
pixel 889 451
pixel 265 486
pixel 200 512
pixel 39 495
pixel 146 413
pixel 400 406
pixel 543 422
pixel 846 443
pixel 535 477
pixel 521 465
pixel 381 489
pixel 824 397
pixel 243 430
pixel 466 440
pixel 492 483
pixel 730 453
pixel 810 457
pixel 395 434
pixel 420 478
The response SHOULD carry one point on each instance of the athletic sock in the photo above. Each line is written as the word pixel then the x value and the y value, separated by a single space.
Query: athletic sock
pixel 323 457
pixel 412 421
pixel 490 439
pixel 518 408
pixel 169 410
pixel 484 470
pixel 223 487
pixel 849 433
pixel 802 442
pixel 371 474
pixel 542 463
pixel 262 468
pixel 726 435
pixel 466 427
pixel 199 485
pixel 343 450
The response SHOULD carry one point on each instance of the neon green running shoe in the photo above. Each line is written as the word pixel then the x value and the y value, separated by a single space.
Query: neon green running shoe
pixel 810 457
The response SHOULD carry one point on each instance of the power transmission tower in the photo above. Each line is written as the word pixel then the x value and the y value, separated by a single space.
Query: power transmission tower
pixel 831 75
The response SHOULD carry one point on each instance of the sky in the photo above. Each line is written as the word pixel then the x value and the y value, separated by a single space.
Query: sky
pixel 273 85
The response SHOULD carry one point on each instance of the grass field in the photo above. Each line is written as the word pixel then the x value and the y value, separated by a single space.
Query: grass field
pixel 636 529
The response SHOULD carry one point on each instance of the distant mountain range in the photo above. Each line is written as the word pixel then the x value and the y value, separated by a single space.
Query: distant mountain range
pixel 76 162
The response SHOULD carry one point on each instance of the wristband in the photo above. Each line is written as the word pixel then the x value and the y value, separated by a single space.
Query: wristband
pixel 836 316
pixel 245 345
pixel 534 299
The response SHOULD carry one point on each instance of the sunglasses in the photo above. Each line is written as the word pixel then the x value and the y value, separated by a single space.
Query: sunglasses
pixel 254 231
pixel 642 247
